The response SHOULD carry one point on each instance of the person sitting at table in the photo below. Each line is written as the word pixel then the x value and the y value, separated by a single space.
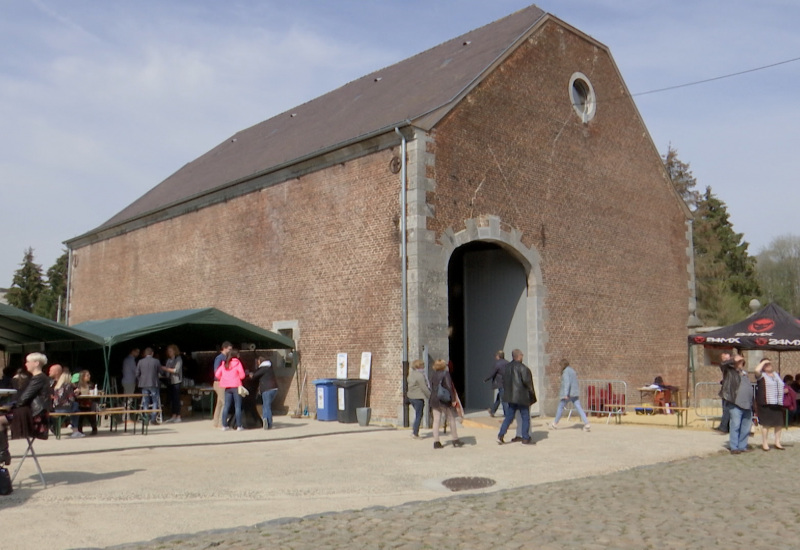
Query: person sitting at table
pixel 662 397
pixel 63 395
pixel 83 387
pixel 29 415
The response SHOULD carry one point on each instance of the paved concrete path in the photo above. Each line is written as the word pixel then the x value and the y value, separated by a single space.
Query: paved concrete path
pixel 584 490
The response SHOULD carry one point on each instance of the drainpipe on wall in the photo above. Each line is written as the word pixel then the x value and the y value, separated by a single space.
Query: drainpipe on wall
pixel 69 285
pixel 403 270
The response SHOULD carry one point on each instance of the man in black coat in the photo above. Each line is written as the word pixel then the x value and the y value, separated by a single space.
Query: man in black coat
pixel 496 377
pixel 519 394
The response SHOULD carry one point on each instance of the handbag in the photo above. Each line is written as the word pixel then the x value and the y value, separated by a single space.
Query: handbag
pixel 243 391
pixel 5 482
pixel 443 394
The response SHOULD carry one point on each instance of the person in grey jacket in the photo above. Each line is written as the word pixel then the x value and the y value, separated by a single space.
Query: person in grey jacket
pixel 570 391
pixel 418 392
pixel 147 379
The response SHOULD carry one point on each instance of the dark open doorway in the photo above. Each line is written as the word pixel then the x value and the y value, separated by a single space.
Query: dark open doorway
pixel 487 291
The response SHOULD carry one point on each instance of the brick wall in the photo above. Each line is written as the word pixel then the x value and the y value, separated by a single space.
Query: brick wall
pixel 590 198
pixel 322 249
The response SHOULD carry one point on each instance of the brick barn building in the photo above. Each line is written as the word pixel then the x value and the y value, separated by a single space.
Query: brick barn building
pixel 538 216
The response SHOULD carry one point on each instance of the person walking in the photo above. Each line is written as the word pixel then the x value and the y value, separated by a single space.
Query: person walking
pixel 147 379
pixel 738 392
pixel 520 395
pixel 218 390
pixel 268 387
pixel 725 361
pixel 496 377
pixel 418 392
pixel 569 392
pixel 174 368
pixel 443 403
pixel 230 375
pixel 769 403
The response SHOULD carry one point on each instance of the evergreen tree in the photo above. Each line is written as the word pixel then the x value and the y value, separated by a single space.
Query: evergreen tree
pixel 48 303
pixel 27 285
pixel 682 178
pixel 725 273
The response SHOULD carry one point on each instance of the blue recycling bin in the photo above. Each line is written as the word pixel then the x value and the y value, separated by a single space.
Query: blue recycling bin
pixel 327 405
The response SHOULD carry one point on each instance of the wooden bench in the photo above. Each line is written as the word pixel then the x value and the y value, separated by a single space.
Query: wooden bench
pixel 681 413
pixel 142 415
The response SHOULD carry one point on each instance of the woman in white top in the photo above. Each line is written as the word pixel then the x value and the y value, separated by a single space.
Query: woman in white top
pixel 769 403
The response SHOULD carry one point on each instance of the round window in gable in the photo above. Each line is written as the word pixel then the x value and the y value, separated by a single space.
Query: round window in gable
pixel 581 93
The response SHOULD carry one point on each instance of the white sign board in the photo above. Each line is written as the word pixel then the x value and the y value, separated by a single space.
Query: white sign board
pixel 366 365
pixel 341 366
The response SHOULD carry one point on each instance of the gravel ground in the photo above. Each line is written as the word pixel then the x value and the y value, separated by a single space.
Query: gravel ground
pixel 310 484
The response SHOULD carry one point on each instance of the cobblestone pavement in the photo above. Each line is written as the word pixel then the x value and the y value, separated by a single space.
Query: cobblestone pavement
pixel 690 503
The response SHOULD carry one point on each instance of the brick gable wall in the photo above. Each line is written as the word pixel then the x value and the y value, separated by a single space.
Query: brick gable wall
pixel 590 198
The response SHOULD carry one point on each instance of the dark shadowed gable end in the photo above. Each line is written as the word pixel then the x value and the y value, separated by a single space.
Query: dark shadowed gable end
pixel 539 217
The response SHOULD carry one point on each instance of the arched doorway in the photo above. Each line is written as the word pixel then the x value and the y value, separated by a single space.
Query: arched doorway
pixel 487 309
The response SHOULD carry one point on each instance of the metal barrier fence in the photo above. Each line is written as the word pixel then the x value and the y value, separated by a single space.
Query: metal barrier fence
pixel 601 398
pixel 707 402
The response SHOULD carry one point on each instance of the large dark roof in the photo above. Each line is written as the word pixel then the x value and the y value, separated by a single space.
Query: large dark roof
pixel 419 89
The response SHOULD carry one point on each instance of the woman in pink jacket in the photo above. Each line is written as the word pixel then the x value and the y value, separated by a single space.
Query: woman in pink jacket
pixel 230 375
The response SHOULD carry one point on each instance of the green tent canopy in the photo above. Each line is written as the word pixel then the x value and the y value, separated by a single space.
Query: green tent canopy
pixel 191 328
pixel 22 332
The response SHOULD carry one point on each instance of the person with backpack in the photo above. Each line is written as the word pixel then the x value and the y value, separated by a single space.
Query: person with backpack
pixel 443 403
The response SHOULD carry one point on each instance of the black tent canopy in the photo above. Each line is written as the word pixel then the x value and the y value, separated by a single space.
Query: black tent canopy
pixel 771 329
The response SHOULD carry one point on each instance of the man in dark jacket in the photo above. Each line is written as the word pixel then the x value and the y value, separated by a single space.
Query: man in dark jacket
pixel 496 377
pixel 519 394
pixel 724 364
pixel 738 391
pixel 147 379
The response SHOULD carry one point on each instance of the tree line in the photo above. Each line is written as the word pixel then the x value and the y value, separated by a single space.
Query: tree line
pixel 727 277
pixel 33 291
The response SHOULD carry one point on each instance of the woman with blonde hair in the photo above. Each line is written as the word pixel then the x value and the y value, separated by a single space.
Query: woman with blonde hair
pixel 441 388
pixel 29 415
pixel 84 387
pixel 418 392
pixel 769 403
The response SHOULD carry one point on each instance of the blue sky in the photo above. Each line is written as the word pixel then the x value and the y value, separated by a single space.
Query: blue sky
pixel 100 101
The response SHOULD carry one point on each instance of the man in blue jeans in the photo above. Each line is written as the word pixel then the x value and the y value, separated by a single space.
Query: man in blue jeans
pixel 737 391
pixel 519 394
pixel 147 379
